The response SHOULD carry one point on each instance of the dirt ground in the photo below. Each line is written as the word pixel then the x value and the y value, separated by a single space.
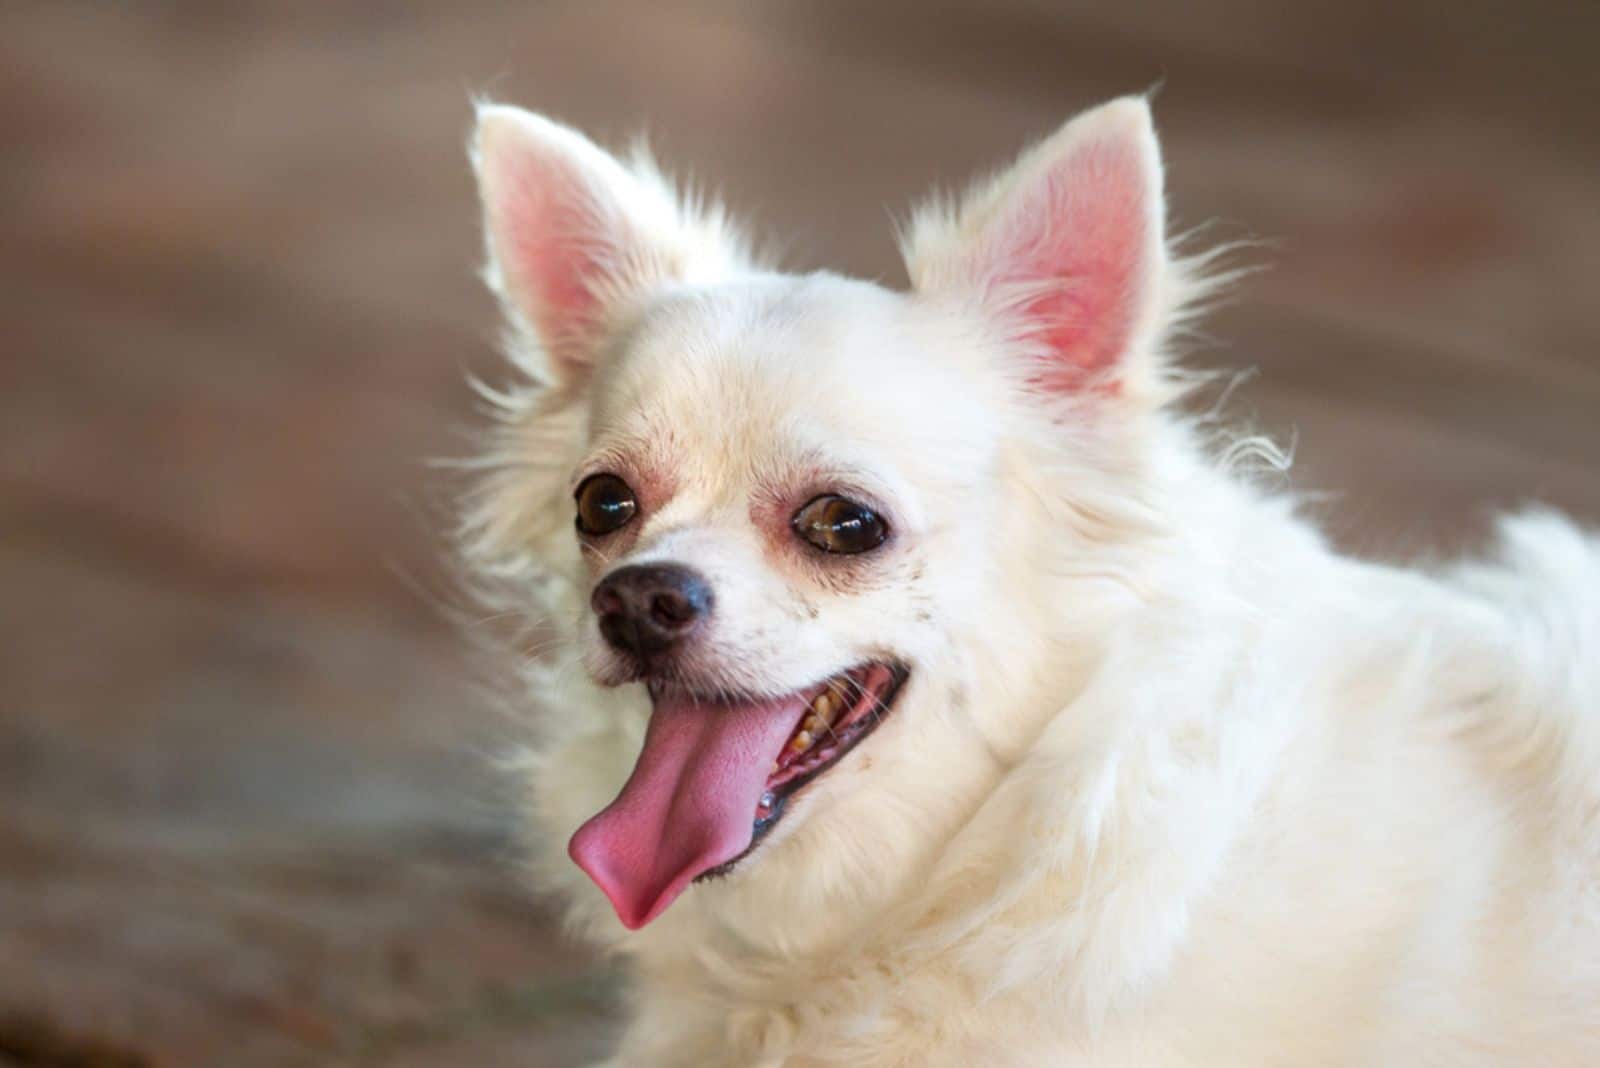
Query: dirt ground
pixel 248 808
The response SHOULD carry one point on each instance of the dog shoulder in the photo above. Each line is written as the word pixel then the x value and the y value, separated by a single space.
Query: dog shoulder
pixel 1540 695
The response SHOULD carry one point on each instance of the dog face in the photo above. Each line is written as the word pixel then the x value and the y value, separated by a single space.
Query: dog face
pixel 759 431
pixel 809 519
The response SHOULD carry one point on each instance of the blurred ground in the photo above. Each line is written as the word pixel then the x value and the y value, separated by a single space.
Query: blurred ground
pixel 246 811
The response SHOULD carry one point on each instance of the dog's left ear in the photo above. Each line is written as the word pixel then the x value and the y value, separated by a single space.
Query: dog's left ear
pixel 577 239
pixel 1066 249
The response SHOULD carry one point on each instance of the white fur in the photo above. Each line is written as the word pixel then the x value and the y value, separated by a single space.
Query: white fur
pixel 1171 784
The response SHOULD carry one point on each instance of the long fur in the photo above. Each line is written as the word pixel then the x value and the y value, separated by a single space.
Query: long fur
pixel 1173 783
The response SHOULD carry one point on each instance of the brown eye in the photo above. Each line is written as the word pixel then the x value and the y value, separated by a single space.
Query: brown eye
pixel 838 525
pixel 605 504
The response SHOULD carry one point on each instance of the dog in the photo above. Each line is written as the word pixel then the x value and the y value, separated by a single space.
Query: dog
pixel 921 686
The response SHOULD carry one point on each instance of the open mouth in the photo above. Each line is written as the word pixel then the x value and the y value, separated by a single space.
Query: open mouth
pixel 715 776
pixel 838 716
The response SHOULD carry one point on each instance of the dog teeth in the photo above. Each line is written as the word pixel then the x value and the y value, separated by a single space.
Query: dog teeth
pixel 825 710
pixel 826 706
pixel 831 703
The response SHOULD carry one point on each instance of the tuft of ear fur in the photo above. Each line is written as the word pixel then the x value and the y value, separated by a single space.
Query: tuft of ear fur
pixel 576 239
pixel 1067 249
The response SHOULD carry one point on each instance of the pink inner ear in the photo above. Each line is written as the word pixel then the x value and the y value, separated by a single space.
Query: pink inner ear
pixel 1081 241
pixel 556 245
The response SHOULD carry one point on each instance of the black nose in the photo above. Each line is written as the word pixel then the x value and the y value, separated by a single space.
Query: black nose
pixel 646 609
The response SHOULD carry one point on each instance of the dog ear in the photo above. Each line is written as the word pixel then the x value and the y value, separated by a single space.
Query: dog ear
pixel 576 239
pixel 1066 246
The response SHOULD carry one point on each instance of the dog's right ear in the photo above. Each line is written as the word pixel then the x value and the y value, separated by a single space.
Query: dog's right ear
pixel 576 239
pixel 1067 247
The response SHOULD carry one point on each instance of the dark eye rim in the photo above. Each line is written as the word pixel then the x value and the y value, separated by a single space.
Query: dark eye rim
pixel 577 499
pixel 885 528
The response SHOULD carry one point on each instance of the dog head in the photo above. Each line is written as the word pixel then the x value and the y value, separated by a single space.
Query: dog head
pixel 819 528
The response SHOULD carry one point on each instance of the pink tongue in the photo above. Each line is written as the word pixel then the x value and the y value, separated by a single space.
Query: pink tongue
pixel 689 804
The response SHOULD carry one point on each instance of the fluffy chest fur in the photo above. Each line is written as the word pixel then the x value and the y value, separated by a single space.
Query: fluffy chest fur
pixel 1120 763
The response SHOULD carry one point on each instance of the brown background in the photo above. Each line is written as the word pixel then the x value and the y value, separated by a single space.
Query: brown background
pixel 247 813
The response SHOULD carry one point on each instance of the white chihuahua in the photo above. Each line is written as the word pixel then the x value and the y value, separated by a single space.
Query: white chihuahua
pixel 940 696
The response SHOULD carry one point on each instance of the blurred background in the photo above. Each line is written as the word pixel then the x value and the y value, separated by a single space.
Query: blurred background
pixel 248 809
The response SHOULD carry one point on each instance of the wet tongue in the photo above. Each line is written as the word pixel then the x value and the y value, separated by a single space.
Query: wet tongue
pixel 689 804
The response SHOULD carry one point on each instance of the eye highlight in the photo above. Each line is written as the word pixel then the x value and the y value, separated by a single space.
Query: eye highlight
pixel 605 505
pixel 837 524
